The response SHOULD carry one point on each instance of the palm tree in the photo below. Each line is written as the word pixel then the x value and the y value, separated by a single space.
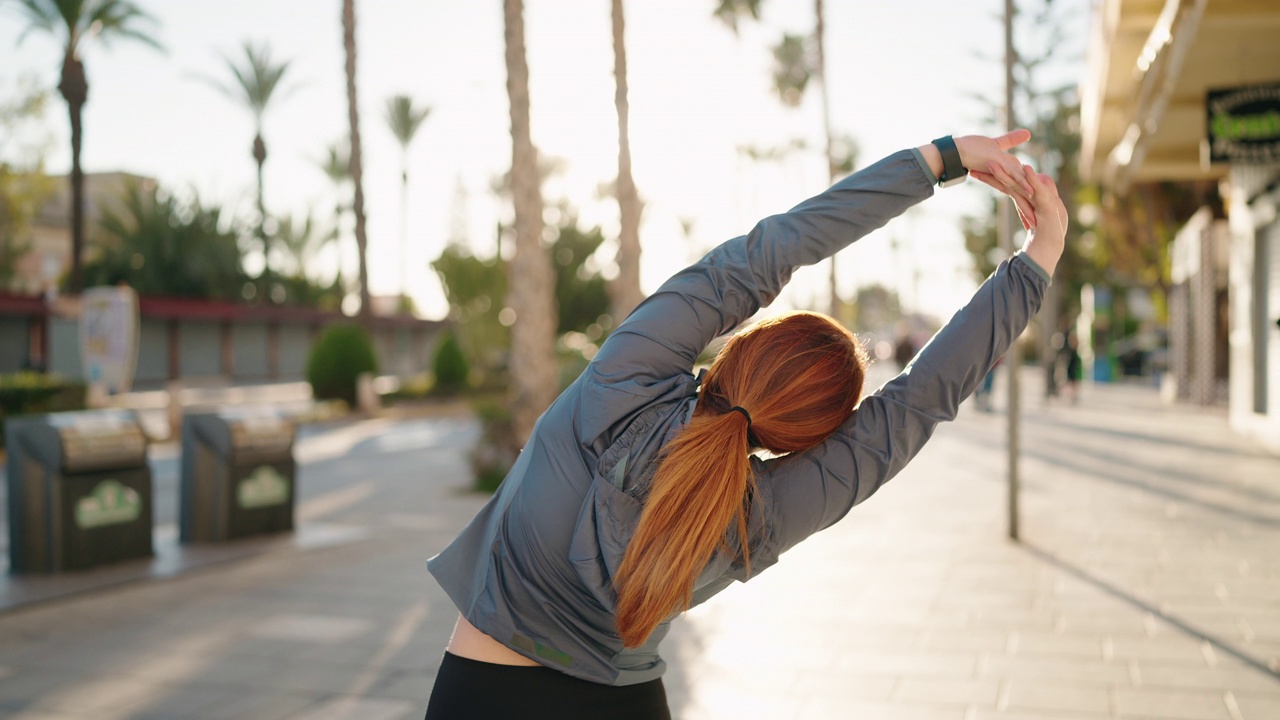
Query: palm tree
pixel 336 165
pixel 72 23
pixel 794 66
pixel 531 292
pixel 357 168
pixel 256 83
pixel 404 120
pixel 626 287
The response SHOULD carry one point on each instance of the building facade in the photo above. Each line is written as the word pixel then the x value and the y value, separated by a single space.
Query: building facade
pixel 1188 91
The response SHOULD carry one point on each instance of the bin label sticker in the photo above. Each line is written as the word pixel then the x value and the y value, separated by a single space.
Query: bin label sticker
pixel 109 503
pixel 265 486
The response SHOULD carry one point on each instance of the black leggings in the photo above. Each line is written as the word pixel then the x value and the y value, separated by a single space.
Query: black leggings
pixel 473 690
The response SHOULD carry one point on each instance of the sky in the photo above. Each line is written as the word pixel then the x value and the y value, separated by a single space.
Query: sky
pixel 900 75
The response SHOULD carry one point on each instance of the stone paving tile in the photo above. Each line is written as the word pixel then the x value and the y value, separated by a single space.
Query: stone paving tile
pixel 1056 695
pixel 359 708
pixel 855 686
pixel 829 708
pixel 264 705
pixel 46 715
pixel 1171 705
pixel 415 687
pixel 1054 670
pixel 979 693
pixel 1166 677
pixel 1257 706
pixel 191 701
pixel 115 696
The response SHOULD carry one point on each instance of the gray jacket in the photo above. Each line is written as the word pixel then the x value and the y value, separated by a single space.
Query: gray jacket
pixel 533 569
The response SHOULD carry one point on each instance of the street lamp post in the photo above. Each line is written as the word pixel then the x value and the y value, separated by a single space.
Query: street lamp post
pixel 1006 229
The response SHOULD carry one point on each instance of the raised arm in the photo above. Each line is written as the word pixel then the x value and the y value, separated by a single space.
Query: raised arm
pixel 666 333
pixel 816 488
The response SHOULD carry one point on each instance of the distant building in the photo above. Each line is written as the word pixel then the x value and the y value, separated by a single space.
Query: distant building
pixel 49 257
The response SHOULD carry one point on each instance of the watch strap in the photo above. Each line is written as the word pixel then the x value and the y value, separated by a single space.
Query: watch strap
pixel 952 168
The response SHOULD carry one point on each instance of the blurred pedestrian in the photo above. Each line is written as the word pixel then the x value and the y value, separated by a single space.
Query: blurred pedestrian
pixel 903 350
pixel 1074 367
pixel 982 396
pixel 638 496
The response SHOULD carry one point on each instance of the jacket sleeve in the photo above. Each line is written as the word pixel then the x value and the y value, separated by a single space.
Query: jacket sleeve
pixel 666 333
pixel 812 490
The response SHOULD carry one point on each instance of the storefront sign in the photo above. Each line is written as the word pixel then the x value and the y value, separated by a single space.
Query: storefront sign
pixel 1244 124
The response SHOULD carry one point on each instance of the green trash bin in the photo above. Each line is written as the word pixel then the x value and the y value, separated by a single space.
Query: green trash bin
pixel 79 491
pixel 238 474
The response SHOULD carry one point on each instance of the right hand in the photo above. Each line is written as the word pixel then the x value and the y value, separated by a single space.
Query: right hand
pixel 1046 239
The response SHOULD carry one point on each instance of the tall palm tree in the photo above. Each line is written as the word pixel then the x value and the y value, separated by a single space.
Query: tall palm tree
pixel 336 165
pixel 73 23
pixel 531 291
pixel 794 66
pixel 257 82
pixel 357 167
pixel 625 289
pixel 404 120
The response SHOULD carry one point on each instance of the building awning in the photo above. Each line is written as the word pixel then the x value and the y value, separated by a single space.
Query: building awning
pixel 1150 64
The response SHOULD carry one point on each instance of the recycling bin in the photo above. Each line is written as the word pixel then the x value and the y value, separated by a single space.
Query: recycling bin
pixel 237 474
pixel 79 491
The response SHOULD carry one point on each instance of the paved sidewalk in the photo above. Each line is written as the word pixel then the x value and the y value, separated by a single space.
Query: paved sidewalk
pixel 1147 585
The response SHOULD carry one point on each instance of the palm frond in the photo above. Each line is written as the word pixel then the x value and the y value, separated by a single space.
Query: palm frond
pixel 404 119
pixel 257 78
pixel 42 15
pixel 336 163
pixel 114 19
pixel 728 12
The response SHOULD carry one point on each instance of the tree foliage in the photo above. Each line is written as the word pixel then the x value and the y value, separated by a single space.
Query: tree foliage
pixel 161 245
pixel 23 185
pixel 72 23
pixel 476 289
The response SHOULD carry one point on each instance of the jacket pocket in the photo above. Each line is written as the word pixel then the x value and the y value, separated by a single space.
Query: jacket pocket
pixel 604 527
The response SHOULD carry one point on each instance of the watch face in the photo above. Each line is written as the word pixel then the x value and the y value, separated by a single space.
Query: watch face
pixel 953 181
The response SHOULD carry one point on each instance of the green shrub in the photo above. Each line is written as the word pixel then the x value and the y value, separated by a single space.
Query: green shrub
pixel 451 366
pixel 495 453
pixel 29 393
pixel 341 354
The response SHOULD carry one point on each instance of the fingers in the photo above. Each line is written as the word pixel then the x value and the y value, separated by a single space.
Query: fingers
pixel 1026 213
pixel 1026 210
pixel 1013 139
pixel 1012 184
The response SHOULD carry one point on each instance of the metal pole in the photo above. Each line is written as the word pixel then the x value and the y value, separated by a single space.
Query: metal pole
pixel 1012 358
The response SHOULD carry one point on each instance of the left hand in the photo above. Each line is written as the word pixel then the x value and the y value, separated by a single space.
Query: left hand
pixel 989 161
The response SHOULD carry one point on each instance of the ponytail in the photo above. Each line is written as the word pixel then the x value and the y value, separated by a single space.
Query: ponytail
pixel 784 385
pixel 699 489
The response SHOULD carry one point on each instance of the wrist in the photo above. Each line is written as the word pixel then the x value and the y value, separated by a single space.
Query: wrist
pixel 1045 256
pixel 933 157
pixel 954 171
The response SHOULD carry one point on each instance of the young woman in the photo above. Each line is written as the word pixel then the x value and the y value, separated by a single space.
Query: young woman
pixel 637 495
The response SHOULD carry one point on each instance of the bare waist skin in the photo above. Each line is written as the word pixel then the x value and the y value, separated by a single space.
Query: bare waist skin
pixel 470 643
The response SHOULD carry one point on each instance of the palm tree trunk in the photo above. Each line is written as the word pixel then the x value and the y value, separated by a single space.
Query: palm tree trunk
pixel 626 288
pixel 260 157
pixel 404 227
pixel 530 277
pixel 74 87
pixel 357 170
pixel 820 35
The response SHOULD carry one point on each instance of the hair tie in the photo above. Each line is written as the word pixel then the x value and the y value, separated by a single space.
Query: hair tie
pixel 747 415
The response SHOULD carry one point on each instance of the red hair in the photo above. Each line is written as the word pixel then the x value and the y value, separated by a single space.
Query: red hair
pixel 799 377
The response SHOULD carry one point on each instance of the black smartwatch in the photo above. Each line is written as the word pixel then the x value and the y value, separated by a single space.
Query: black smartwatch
pixel 953 171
